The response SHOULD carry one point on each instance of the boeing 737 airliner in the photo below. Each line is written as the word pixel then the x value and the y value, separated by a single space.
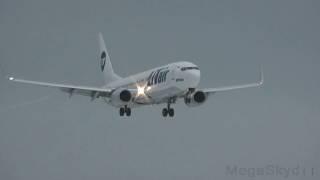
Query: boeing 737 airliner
pixel 161 85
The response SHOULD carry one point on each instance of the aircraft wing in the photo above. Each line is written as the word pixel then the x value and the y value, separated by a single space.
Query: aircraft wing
pixel 228 88
pixel 93 92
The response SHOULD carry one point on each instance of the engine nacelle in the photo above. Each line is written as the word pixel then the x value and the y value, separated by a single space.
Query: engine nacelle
pixel 121 97
pixel 195 99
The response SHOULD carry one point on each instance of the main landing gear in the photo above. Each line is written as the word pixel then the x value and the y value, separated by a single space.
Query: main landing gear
pixel 168 111
pixel 125 110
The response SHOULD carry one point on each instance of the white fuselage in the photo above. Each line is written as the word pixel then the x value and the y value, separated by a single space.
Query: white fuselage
pixel 161 83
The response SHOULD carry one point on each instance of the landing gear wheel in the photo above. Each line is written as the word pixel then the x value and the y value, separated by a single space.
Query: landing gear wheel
pixel 128 111
pixel 121 111
pixel 164 112
pixel 171 112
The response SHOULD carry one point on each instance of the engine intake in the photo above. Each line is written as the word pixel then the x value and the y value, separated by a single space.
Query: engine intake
pixel 125 95
pixel 120 97
pixel 195 98
pixel 199 97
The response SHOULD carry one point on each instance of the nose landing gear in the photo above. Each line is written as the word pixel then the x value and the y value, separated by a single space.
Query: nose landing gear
pixel 125 110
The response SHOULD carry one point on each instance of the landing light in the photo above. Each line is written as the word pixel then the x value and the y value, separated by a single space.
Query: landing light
pixel 140 90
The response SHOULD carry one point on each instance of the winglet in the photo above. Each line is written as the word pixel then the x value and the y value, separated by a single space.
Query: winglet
pixel 5 75
pixel 261 76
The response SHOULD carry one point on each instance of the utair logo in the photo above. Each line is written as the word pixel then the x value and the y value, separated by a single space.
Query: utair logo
pixel 158 76
pixel 103 60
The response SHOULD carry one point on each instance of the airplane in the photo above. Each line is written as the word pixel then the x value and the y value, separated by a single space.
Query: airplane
pixel 161 85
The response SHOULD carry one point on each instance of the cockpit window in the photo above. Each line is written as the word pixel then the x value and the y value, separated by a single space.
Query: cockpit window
pixel 188 68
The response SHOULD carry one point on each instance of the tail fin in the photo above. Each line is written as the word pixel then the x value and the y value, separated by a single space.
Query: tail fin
pixel 105 63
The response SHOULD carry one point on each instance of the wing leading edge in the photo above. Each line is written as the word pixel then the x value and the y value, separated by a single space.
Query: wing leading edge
pixel 227 88
pixel 93 92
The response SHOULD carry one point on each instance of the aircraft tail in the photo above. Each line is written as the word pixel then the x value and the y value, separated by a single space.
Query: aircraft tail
pixel 105 63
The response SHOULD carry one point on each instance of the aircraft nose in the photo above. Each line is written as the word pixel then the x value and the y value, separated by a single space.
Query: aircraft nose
pixel 193 78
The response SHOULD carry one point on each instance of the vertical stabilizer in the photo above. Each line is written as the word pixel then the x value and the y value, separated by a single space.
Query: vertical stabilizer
pixel 105 63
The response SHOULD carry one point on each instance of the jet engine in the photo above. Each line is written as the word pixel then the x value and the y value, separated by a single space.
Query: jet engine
pixel 121 97
pixel 195 98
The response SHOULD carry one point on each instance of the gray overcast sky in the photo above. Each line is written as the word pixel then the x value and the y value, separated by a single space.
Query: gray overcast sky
pixel 45 135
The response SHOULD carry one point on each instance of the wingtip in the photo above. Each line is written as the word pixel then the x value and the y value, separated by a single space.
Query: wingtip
pixel 10 78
